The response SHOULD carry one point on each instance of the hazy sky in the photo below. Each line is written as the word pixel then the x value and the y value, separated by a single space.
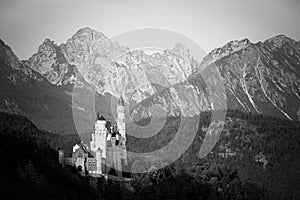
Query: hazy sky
pixel 24 24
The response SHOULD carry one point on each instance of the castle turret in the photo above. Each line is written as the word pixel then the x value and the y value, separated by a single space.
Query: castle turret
pixel 61 158
pixel 75 147
pixel 99 136
pixel 121 127
pixel 121 117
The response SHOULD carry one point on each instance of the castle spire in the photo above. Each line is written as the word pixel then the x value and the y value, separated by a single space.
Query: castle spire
pixel 100 117
pixel 121 101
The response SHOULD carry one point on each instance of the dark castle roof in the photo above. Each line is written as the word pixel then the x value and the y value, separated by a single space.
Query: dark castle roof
pixel 100 117
pixel 121 101
pixel 83 148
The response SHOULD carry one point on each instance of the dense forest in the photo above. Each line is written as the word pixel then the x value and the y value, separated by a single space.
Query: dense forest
pixel 29 167
pixel 257 150
pixel 256 157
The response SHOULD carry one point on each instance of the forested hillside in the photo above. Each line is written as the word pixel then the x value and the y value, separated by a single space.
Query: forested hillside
pixel 254 149
pixel 29 166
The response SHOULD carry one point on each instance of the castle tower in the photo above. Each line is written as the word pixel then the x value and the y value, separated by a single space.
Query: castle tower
pixel 75 147
pixel 121 127
pixel 99 136
pixel 121 117
pixel 61 158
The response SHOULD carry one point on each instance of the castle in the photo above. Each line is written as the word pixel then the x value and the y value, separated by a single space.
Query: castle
pixel 106 151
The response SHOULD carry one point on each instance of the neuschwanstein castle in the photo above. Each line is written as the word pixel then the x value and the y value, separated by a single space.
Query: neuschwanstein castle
pixel 107 149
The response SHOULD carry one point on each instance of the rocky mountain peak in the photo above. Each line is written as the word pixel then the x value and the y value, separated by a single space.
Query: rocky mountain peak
pixel 261 77
pixel 88 33
pixel 280 40
pixel 47 46
pixel 226 50
pixel 235 45
pixel 182 50
pixel 99 61
pixel 44 58
pixel 52 64
pixel 48 42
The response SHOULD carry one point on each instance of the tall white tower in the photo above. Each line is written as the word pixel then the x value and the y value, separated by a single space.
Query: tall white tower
pixel 121 117
pixel 121 127
pixel 99 136
pixel 61 157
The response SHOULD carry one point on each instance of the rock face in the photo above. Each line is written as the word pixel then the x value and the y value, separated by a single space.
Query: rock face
pixel 112 68
pixel 91 52
pixel 259 78
pixel 141 75
pixel 52 64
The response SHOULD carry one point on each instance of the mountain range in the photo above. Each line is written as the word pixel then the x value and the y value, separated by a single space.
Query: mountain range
pixel 260 78
pixel 59 80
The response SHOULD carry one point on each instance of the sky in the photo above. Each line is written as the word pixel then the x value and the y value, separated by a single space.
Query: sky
pixel 24 24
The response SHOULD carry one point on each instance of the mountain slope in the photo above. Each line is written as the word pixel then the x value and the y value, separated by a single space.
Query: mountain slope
pixel 264 77
pixel 26 92
pixel 259 78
